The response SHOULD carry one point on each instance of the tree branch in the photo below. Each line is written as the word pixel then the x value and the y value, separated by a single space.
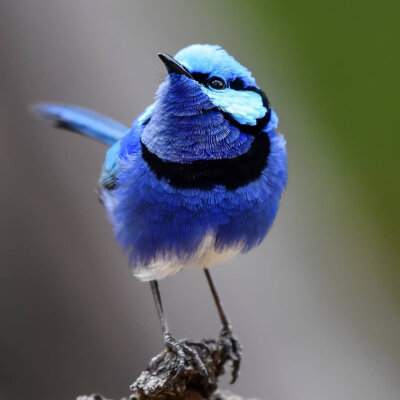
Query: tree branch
pixel 163 380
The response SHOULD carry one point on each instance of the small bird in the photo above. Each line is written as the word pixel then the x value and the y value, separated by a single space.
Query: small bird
pixel 196 180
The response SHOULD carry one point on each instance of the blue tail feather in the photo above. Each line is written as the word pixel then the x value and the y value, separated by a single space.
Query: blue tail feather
pixel 82 120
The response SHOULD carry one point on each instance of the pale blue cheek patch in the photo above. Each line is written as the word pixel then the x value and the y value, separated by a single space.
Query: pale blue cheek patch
pixel 245 106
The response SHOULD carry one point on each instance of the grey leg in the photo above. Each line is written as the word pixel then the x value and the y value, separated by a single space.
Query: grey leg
pixel 227 335
pixel 184 349
pixel 160 310
pixel 221 312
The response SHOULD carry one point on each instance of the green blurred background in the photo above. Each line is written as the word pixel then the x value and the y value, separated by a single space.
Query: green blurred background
pixel 316 305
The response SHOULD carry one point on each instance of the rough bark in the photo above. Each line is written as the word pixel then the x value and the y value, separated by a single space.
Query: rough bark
pixel 189 395
pixel 164 380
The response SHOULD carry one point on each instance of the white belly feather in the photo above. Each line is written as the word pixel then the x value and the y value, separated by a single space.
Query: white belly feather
pixel 206 256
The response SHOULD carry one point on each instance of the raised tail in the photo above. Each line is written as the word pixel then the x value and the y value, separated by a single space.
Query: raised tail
pixel 81 120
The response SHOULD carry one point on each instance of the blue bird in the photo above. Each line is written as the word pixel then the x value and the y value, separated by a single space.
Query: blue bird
pixel 198 177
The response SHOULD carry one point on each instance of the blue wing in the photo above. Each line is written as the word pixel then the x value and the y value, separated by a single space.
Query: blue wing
pixel 83 121
pixel 108 178
pixel 109 172
pixel 89 123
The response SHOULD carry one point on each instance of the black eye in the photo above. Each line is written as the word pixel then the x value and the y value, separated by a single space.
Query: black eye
pixel 216 83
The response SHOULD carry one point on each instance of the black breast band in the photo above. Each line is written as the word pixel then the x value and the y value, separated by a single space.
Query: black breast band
pixel 205 174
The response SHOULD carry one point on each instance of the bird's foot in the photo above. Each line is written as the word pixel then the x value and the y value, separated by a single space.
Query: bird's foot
pixel 233 349
pixel 187 354
pixel 177 369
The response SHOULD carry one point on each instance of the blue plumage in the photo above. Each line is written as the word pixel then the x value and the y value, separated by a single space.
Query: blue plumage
pixel 199 175
pixel 82 120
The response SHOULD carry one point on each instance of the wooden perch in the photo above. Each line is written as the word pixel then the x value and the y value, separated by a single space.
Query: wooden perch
pixel 190 395
pixel 162 379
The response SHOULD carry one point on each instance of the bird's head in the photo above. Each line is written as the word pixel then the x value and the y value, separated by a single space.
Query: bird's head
pixel 227 84
pixel 208 108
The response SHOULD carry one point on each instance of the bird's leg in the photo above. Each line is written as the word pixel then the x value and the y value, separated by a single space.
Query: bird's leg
pixel 160 310
pixel 184 350
pixel 227 335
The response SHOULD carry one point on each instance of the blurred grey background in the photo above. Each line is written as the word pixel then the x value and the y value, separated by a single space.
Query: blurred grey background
pixel 316 305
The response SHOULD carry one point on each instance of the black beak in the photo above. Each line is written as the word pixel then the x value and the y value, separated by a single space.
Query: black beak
pixel 173 66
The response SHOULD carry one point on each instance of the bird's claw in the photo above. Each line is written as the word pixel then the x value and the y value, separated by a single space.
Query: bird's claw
pixel 234 350
pixel 187 352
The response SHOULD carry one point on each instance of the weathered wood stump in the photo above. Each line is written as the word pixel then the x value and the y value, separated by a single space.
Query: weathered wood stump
pixel 164 380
